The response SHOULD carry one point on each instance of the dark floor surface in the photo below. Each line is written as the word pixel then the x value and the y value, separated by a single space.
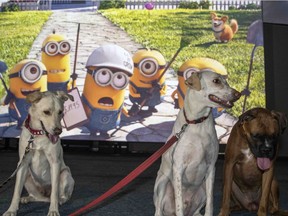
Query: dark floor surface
pixel 96 172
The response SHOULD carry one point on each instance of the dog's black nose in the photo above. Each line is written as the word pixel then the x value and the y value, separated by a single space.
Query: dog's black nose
pixel 57 131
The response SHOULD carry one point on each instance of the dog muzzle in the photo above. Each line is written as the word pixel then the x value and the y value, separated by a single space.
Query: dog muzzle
pixel 264 152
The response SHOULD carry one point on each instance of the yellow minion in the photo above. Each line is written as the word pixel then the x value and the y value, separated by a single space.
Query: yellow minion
pixel 191 66
pixel 108 70
pixel 25 77
pixel 56 57
pixel 148 67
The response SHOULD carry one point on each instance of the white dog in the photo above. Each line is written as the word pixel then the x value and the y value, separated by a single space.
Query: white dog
pixel 42 169
pixel 185 179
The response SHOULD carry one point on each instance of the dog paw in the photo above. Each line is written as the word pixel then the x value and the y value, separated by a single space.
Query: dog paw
pixel 53 213
pixel 10 213
pixel 25 200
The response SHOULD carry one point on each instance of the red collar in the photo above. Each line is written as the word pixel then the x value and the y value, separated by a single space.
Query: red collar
pixel 196 121
pixel 31 130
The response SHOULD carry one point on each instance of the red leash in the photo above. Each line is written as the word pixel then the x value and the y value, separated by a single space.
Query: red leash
pixel 130 177
pixel 141 168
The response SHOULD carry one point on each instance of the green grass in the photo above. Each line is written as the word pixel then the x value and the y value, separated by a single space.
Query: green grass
pixel 18 30
pixel 163 29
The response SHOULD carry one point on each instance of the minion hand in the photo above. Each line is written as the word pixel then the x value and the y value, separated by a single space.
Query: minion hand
pixel 74 76
pixel 134 109
pixel 155 85
pixel 176 103
pixel 246 92
pixel 10 96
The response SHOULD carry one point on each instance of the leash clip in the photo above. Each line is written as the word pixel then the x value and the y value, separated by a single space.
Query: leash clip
pixel 178 135
pixel 30 143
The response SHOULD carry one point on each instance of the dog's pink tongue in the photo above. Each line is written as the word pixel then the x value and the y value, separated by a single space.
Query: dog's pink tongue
pixel 53 138
pixel 263 163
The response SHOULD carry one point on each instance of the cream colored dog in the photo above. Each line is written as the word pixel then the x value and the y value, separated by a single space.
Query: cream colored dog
pixel 185 179
pixel 42 169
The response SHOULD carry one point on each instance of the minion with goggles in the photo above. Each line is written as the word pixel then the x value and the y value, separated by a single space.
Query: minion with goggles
pixel 25 77
pixel 195 65
pixel 108 70
pixel 56 57
pixel 148 67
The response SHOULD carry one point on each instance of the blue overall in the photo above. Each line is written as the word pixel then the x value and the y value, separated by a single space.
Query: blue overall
pixel 59 86
pixel 102 120
pixel 152 100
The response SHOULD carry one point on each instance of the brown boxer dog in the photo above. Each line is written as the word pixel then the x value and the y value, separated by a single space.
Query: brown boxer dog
pixel 249 181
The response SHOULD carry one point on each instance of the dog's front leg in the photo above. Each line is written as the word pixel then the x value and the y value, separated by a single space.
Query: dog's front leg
pixel 227 187
pixel 20 180
pixel 209 192
pixel 55 176
pixel 266 188
pixel 178 192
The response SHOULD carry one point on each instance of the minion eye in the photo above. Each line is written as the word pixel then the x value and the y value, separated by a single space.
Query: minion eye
pixel 148 67
pixel 103 76
pixel 119 80
pixel 31 73
pixel 65 47
pixel 51 48
pixel 187 73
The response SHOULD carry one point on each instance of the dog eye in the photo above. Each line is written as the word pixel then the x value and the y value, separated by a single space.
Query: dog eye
pixel 217 81
pixel 47 112
pixel 60 112
pixel 256 136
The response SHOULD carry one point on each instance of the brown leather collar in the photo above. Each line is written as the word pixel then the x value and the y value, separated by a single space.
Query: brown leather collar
pixel 195 121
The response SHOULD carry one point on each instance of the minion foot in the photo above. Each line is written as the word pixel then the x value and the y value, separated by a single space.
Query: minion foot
pixel 152 109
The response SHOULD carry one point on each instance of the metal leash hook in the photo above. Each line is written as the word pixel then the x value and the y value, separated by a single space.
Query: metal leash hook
pixel 178 135
pixel 30 143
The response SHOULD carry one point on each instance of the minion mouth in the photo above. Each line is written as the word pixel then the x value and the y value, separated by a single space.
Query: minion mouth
pixel 25 92
pixel 106 101
pixel 54 71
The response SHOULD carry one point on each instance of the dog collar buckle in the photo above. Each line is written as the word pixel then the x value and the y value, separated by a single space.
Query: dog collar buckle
pixel 178 135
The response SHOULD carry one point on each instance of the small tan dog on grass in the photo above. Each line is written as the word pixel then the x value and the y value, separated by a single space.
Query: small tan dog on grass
pixel 186 176
pixel 249 180
pixel 42 169
pixel 222 31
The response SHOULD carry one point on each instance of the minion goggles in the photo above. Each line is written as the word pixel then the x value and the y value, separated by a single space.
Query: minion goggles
pixel 30 73
pixel 53 48
pixel 104 77
pixel 188 72
pixel 149 66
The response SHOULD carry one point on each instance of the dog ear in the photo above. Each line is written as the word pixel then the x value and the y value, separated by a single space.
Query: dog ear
pixel 224 18
pixel 64 96
pixel 247 116
pixel 193 81
pixel 213 15
pixel 282 120
pixel 34 97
